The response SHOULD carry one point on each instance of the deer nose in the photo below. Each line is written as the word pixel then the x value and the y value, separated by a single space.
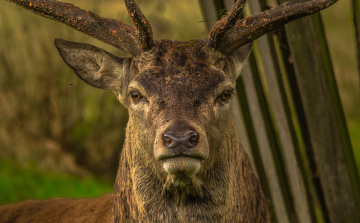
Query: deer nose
pixel 189 139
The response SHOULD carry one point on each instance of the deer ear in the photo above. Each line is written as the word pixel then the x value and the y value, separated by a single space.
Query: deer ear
pixel 94 65
pixel 238 58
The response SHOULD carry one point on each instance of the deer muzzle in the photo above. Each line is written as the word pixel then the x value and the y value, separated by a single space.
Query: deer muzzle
pixel 181 148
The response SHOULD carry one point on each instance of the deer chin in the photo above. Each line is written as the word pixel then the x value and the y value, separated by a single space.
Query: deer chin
pixel 182 166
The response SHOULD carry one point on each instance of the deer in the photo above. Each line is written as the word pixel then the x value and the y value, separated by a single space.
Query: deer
pixel 182 160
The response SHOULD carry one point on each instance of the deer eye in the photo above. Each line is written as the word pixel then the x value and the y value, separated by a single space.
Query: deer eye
pixel 226 95
pixel 136 96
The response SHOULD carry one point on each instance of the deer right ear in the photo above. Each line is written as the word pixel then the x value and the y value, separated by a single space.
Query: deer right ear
pixel 94 65
pixel 239 56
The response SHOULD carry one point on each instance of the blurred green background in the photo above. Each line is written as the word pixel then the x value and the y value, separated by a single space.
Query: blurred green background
pixel 61 137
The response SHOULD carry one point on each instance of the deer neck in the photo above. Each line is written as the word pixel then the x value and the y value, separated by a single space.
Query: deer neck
pixel 144 193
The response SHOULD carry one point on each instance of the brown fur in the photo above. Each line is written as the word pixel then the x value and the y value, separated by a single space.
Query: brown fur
pixel 181 82
pixel 60 210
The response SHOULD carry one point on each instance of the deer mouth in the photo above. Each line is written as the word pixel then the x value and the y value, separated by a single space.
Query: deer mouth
pixel 182 165
pixel 182 162
pixel 172 156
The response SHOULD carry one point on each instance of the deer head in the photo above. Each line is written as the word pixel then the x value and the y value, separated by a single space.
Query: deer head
pixel 175 89
pixel 180 133
pixel 177 93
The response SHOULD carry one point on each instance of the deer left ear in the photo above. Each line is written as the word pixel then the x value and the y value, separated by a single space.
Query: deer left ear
pixel 238 58
pixel 94 65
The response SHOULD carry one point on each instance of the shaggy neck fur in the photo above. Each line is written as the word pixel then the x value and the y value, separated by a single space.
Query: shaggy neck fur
pixel 227 191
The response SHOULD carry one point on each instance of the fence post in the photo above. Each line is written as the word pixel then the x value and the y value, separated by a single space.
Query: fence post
pixel 310 176
pixel 328 143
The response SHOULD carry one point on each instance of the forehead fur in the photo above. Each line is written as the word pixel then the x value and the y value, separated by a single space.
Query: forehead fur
pixel 180 67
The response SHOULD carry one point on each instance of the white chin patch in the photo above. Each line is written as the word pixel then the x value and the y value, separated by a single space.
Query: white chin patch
pixel 182 166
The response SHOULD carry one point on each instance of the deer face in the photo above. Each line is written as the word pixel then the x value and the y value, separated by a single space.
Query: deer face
pixel 178 96
pixel 180 92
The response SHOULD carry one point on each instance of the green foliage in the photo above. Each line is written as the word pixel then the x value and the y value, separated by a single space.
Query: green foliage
pixel 21 183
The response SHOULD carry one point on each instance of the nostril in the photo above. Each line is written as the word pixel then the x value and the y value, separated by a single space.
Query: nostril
pixel 180 137
pixel 194 139
pixel 167 140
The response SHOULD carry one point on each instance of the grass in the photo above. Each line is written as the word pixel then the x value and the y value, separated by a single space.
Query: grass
pixel 21 183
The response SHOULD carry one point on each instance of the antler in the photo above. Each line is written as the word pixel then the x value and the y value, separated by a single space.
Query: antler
pixel 141 24
pixel 110 31
pixel 218 31
pixel 226 36
pixel 251 28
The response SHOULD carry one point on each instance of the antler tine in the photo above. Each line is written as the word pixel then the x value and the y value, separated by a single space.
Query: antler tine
pixel 218 31
pixel 251 28
pixel 141 24
pixel 110 31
